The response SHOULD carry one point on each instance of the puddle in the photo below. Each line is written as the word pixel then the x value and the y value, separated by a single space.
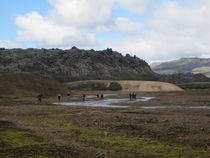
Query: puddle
pixel 175 107
pixel 105 102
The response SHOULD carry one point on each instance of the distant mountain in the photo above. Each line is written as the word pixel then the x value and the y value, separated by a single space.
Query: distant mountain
pixel 183 65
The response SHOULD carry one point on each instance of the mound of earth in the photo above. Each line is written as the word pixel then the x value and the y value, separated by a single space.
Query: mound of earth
pixel 144 86
pixel 28 84
pixel 148 86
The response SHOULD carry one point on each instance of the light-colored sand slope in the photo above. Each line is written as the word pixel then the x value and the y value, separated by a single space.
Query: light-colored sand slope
pixel 148 86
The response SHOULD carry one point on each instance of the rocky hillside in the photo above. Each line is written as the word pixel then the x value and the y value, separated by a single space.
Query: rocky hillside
pixel 184 65
pixel 75 64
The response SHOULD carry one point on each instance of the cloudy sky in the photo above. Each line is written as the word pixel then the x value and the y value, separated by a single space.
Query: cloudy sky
pixel 154 30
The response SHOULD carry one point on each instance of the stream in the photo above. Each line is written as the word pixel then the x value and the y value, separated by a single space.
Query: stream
pixel 109 102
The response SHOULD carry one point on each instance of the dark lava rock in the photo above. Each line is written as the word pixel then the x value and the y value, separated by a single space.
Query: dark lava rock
pixel 75 64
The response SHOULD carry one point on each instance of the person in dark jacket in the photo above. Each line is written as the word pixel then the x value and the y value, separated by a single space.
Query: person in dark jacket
pixel 102 96
pixel 59 97
pixel 39 97
pixel 130 96
pixel 83 97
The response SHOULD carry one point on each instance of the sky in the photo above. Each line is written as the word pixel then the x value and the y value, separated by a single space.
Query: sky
pixel 153 30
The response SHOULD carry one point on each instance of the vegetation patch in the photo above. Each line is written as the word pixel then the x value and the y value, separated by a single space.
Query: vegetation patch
pixel 108 140
pixel 43 151
pixel 10 136
pixel 94 85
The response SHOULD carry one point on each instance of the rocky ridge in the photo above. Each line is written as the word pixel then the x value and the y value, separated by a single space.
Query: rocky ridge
pixel 75 64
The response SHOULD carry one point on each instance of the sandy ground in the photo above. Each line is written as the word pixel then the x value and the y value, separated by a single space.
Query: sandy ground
pixel 148 86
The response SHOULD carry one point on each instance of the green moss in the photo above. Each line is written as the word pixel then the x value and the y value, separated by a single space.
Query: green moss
pixel 10 137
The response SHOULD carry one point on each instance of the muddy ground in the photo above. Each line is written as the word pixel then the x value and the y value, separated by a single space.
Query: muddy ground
pixel 31 129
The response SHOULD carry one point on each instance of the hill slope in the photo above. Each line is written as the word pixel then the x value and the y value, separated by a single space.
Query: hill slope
pixel 184 65
pixel 28 84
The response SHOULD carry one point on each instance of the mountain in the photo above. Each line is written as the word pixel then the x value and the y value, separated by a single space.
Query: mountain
pixel 183 65
pixel 78 64
pixel 75 64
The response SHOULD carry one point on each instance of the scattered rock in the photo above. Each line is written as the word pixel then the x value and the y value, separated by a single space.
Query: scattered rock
pixel 100 155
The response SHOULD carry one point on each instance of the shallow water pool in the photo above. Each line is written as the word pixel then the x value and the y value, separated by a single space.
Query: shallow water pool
pixel 104 102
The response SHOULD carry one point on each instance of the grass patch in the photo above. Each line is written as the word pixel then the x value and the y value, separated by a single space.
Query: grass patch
pixel 109 140
pixel 43 151
pixel 11 137
pixel 7 101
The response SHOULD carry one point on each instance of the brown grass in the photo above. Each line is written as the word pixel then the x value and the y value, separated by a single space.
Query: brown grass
pixel 28 84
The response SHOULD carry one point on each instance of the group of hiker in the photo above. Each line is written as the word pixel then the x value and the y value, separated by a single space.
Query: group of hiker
pixel 97 96
pixel 40 97
pixel 132 96
pixel 100 96
pixel 59 96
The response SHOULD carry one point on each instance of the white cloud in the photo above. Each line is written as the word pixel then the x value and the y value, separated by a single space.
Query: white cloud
pixel 69 22
pixel 171 29
pixel 121 25
pixel 40 29
pixel 82 13
pixel 10 44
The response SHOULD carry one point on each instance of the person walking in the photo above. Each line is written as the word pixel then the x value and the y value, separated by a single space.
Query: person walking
pixel 39 97
pixel 130 96
pixel 59 97
pixel 68 95
pixel 134 95
pixel 97 95
pixel 102 96
pixel 83 97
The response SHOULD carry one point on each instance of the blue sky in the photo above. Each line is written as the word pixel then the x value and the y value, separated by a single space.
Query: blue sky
pixel 151 29
pixel 10 9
